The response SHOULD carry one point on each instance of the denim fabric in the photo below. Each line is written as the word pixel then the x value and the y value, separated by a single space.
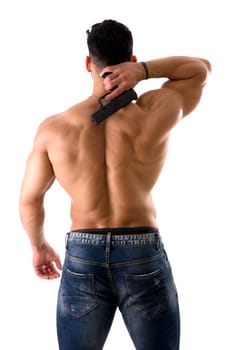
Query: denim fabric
pixel 109 268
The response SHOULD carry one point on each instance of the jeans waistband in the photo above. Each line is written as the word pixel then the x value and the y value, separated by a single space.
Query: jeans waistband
pixel 130 236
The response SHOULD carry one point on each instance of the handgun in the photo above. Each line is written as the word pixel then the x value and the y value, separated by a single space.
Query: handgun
pixel 114 105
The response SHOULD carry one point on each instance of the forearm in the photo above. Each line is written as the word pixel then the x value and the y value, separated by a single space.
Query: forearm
pixel 177 67
pixel 126 75
pixel 32 217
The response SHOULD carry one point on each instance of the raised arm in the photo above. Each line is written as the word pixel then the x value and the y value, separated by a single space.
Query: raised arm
pixel 37 180
pixel 186 76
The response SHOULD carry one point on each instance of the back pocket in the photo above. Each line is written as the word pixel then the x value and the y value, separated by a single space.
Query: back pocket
pixel 78 293
pixel 147 293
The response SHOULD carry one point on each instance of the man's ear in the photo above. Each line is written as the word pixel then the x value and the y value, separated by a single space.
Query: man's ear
pixel 88 63
pixel 134 59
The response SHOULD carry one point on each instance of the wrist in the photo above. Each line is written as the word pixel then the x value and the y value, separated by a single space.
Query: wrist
pixel 39 246
pixel 145 70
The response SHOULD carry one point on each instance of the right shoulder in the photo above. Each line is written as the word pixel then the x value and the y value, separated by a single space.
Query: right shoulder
pixel 152 99
pixel 47 129
pixel 164 106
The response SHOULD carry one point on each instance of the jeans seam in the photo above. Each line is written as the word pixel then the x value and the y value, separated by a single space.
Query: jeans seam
pixel 136 262
pixel 95 300
pixel 85 261
pixel 114 265
pixel 109 273
pixel 81 314
pixel 139 310
pixel 155 314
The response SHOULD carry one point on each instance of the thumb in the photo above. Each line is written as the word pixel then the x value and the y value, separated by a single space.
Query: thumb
pixel 58 263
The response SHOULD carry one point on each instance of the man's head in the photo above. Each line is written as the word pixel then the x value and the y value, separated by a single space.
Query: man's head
pixel 109 43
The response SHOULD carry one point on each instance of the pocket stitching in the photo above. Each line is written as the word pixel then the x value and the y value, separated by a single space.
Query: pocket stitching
pixel 163 299
pixel 94 300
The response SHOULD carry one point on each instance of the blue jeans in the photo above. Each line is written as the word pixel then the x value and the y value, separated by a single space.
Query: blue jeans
pixel 109 268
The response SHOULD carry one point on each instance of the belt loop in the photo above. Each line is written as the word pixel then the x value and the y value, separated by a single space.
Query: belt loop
pixel 108 246
pixel 158 241
pixel 66 240
pixel 108 241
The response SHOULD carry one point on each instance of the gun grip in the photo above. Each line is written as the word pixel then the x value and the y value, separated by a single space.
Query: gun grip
pixel 113 106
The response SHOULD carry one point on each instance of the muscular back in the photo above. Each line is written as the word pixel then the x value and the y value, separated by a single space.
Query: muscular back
pixel 109 170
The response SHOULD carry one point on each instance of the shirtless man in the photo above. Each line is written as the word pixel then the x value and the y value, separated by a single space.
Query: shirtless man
pixel 114 253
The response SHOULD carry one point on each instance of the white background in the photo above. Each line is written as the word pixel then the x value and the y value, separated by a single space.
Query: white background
pixel 42 72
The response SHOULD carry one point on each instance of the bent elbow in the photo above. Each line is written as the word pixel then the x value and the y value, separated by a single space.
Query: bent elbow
pixel 207 64
pixel 204 70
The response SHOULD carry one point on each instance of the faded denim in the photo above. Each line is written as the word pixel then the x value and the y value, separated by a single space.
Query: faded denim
pixel 109 268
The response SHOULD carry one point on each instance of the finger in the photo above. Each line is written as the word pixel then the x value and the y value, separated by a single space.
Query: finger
pixel 110 79
pixel 116 92
pixel 47 272
pixel 52 271
pixel 106 71
pixel 43 274
pixel 48 276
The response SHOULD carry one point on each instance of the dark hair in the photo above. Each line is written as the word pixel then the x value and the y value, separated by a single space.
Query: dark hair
pixel 109 43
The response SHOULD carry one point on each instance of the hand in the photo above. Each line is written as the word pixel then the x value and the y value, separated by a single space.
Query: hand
pixel 124 76
pixel 46 262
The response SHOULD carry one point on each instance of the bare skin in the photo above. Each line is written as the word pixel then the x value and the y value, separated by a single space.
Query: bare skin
pixel 108 170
